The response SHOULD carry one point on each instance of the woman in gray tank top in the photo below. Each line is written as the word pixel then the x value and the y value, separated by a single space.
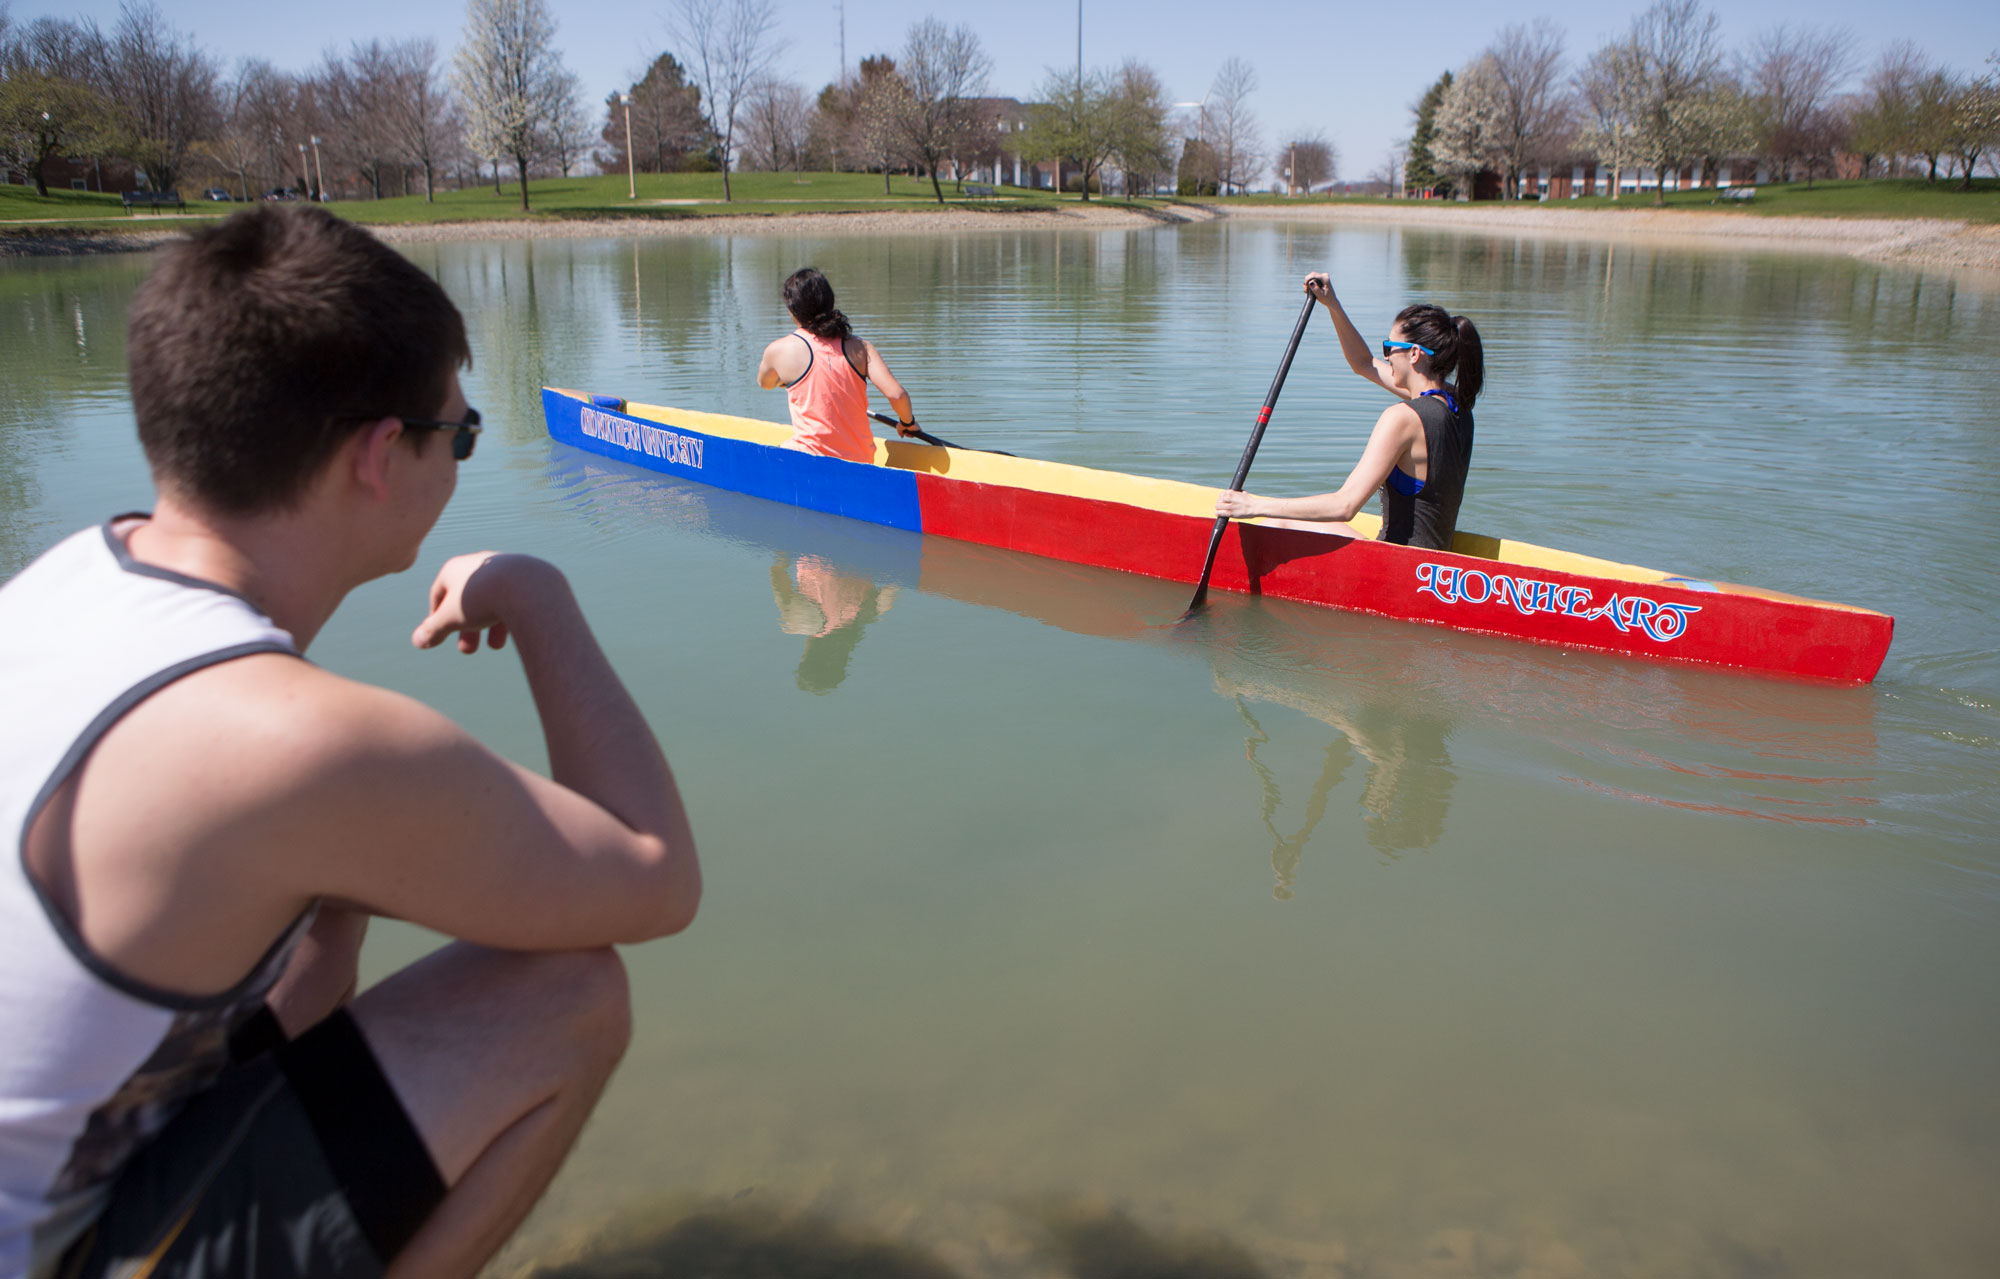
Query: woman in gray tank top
pixel 1421 447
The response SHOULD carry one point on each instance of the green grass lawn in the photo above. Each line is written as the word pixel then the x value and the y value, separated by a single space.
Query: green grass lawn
pixel 17 203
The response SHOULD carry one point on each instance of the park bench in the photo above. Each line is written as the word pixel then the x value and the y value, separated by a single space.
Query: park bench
pixel 153 199
pixel 1737 194
pixel 979 188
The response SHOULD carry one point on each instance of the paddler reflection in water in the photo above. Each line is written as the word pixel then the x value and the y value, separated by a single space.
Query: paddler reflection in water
pixel 1420 449
pixel 825 371
pixel 830 608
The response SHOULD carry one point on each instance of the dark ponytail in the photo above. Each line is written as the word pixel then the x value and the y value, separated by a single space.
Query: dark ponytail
pixel 1471 362
pixel 810 300
pixel 1456 341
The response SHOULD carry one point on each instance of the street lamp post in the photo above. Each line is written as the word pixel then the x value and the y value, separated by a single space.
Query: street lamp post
pixel 305 175
pixel 631 174
pixel 319 173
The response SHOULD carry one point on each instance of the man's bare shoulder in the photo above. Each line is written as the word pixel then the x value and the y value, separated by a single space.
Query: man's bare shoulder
pixel 277 718
pixel 228 800
pixel 265 756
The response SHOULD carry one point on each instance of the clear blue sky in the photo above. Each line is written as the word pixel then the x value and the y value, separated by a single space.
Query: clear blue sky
pixel 1347 70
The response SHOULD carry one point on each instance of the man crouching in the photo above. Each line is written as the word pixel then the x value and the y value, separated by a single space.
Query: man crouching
pixel 188 1084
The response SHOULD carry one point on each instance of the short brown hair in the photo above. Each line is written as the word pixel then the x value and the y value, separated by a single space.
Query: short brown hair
pixel 259 345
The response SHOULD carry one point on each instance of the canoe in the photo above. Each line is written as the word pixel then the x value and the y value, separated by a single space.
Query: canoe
pixel 1160 528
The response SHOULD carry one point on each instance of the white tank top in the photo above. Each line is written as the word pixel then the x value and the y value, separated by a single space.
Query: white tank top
pixel 93 1062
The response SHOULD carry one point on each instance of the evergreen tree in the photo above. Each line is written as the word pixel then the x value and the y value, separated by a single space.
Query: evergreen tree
pixel 1420 170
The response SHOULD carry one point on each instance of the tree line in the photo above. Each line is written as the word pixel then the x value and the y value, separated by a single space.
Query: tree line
pixel 924 110
pixel 384 118
pixel 1666 96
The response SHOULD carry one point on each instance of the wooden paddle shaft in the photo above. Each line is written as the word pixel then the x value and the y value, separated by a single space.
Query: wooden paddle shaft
pixel 1250 449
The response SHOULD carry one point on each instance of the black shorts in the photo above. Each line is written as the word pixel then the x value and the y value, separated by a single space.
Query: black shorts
pixel 298 1162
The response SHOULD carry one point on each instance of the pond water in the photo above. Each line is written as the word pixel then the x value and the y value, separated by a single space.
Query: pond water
pixel 1044 940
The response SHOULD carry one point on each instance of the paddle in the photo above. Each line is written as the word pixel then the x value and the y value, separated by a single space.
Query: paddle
pixel 1249 451
pixel 928 438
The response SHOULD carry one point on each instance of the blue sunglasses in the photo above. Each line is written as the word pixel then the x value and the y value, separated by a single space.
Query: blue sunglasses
pixel 1388 346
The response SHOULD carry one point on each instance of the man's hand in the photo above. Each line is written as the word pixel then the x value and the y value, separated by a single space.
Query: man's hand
pixel 475 593
pixel 1320 285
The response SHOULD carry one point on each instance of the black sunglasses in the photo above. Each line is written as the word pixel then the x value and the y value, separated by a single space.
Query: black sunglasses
pixel 467 432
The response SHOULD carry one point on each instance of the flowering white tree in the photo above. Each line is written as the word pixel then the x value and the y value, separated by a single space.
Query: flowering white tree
pixel 1609 107
pixel 1471 132
pixel 511 80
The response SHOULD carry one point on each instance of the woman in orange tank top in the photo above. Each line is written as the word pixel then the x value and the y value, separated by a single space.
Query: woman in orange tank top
pixel 825 371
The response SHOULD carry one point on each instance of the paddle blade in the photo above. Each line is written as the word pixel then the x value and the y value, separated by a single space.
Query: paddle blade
pixel 1207 567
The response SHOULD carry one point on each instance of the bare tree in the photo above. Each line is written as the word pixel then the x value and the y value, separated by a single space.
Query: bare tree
pixel 1527 63
pixel 162 93
pixel 777 120
pixel 727 47
pixel 236 149
pixel 945 71
pixel 1792 73
pixel 1231 126
pixel 355 94
pixel 1307 161
pixel 1391 173
pixel 510 79
pixel 1885 115
pixel 417 108
pixel 569 129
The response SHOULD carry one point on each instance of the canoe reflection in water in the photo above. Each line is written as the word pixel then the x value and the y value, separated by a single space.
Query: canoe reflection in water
pixel 1411 706
pixel 830 608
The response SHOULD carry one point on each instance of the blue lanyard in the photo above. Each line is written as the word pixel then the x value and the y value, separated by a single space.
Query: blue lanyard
pixel 1446 396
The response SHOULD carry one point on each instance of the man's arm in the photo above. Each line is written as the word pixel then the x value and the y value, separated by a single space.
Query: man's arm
pixel 209 816
pixel 599 744
pixel 391 806
pixel 602 853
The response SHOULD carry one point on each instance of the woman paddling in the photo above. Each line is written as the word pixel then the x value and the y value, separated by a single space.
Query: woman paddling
pixel 1418 454
pixel 825 370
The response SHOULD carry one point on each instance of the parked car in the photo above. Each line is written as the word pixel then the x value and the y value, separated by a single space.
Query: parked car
pixel 217 193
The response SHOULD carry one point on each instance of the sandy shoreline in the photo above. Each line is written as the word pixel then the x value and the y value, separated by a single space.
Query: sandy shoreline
pixel 1923 242
pixel 1935 242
